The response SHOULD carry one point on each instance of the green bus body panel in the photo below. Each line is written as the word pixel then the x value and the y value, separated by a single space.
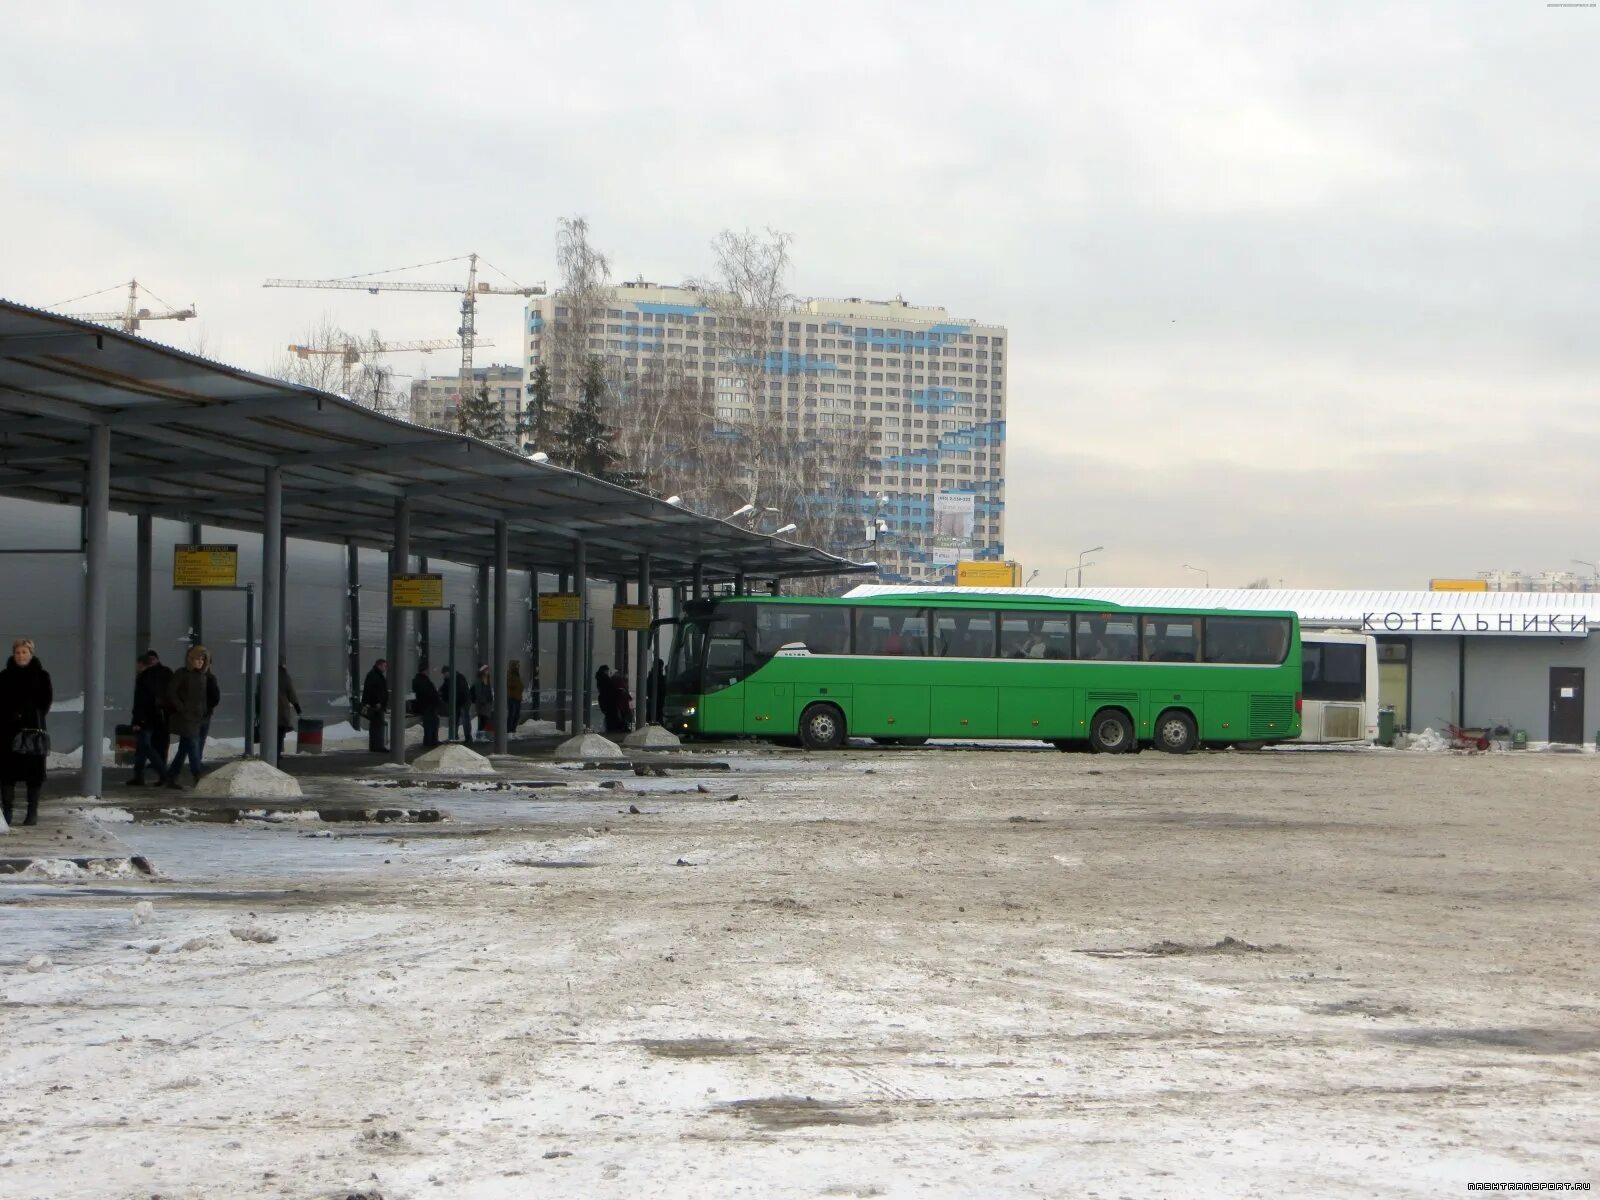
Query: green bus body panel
pixel 1047 699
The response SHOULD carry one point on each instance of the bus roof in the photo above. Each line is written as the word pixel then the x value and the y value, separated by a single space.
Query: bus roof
pixel 991 600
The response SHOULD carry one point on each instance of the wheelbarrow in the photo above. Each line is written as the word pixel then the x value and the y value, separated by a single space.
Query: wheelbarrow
pixel 1466 739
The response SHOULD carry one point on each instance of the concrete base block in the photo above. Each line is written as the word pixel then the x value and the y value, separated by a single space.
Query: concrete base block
pixel 651 735
pixel 586 746
pixel 451 759
pixel 247 779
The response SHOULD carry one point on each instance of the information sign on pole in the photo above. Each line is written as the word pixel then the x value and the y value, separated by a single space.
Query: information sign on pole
pixel 560 606
pixel 416 591
pixel 206 566
pixel 630 617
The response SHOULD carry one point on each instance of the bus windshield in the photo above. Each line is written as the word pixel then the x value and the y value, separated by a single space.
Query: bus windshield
pixel 709 655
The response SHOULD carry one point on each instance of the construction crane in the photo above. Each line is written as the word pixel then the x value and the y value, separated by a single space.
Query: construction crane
pixel 130 316
pixel 350 353
pixel 469 292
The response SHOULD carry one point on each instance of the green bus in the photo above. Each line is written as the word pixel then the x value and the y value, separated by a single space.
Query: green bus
pixel 902 668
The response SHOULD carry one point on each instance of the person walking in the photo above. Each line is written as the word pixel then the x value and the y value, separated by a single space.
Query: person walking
pixel 213 699
pixel 288 705
pixel 483 698
pixel 621 703
pixel 457 697
pixel 150 718
pixel 425 698
pixel 375 704
pixel 513 696
pixel 605 695
pixel 25 699
pixel 189 708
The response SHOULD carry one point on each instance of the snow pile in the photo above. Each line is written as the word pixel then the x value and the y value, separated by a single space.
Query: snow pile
pixel 651 735
pixel 1429 741
pixel 247 778
pixel 586 746
pixel 65 868
pixel 73 759
pixel 451 759
pixel 108 815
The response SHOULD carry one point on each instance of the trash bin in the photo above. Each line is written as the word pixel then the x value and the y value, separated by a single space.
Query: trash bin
pixel 308 736
pixel 127 745
pixel 1519 739
pixel 1386 726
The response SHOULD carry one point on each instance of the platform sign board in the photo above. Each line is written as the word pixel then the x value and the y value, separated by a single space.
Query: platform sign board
pixel 988 574
pixel 1458 585
pixel 416 591
pixel 560 606
pixel 635 617
pixel 205 566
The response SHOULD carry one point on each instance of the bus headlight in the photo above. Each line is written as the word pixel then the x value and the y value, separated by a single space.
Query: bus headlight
pixel 691 710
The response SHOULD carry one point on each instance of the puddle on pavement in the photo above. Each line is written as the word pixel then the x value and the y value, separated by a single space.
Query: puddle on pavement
pixel 799 1112
pixel 699 1047
pixel 1170 949
pixel 1532 1040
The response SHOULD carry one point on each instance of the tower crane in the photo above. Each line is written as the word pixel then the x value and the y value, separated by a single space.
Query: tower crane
pixel 350 353
pixel 130 316
pixel 469 292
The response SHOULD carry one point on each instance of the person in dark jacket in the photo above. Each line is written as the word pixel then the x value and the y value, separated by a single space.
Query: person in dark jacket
pixel 428 705
pixel 25 699
pixel 457 700
pixel 483 698
pixel 150 717
pixel 189 706
pixel 375 704
pixel 289 708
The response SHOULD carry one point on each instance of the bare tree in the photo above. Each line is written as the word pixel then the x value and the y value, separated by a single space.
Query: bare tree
pixel 577 330
pixel 332 360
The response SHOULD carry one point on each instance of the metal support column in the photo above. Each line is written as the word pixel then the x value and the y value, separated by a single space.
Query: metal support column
pixel 197 535
pixel 283 593
pixel 563 673
pixel 96 580
pixel 699 580
pixel 352 631
pixel 271 611
pixel 500 655
pixel 619 637
pixel 480 620
pixel 641 651
pixel 581 640
pixel 143 556
pixel 531 683
pixel 399 633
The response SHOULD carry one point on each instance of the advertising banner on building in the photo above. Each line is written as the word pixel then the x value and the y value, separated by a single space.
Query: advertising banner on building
pixel 954 514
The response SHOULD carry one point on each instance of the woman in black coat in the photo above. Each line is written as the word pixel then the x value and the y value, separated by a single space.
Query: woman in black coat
pixel 25 699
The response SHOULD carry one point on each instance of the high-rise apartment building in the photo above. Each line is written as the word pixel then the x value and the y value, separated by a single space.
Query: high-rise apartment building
pixel 923 392
pixel 434 400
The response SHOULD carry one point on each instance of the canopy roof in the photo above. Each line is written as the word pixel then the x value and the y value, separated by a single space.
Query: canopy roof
pixel 190 440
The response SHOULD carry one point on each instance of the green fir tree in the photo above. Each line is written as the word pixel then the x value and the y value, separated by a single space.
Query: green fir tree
pixel 585 442
pixel 481 416
pixel 536 426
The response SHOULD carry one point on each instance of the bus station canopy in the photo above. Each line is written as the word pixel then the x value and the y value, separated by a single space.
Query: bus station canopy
pixel 190 440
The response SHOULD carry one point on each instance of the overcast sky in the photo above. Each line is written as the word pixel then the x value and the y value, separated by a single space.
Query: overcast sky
pixel 1301 290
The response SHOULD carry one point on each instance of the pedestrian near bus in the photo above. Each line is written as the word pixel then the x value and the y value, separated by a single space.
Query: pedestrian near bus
pixel 189 707
pixel 513 696
pixel 375 703
pixel 25 699
pixel 425 699
pixel 150 718
pixel 288 705
pixel 483 698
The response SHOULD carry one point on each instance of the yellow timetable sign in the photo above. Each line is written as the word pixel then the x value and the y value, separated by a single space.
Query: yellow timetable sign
pixel 205 567
pixel 1458 585
pixel 630 617
pixel 988 574
pixel 560 606
pixel 416 591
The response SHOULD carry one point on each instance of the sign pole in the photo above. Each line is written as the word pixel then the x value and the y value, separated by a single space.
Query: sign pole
pixel 249 665
pixel 455 700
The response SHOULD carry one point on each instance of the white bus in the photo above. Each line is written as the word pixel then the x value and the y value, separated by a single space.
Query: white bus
pixel 1339 687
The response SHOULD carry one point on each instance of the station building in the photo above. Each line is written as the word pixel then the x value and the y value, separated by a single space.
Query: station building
pixel 1478 659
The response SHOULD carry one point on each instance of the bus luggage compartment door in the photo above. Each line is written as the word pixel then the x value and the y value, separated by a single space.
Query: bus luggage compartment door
pixel 769 709
pixel 963 712
pixel 890 710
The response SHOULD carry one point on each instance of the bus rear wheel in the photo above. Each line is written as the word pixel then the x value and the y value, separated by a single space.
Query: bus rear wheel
pixel 1176 732
pixel 822 727
pixel 1111 732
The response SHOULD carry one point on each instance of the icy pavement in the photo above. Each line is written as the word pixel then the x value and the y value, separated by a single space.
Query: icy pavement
pixel 930 973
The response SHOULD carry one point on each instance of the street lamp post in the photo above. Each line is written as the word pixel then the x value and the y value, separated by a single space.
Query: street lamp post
pixel 1082 564
pixel 1584 562
pixel 1202 571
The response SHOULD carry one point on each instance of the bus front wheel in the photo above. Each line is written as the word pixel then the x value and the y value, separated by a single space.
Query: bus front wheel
pixel 1176 732
pixel 1111 732
pixel 822 727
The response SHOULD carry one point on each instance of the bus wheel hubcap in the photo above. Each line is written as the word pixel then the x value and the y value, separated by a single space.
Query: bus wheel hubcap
pixel 1174 733
pixel 1111 733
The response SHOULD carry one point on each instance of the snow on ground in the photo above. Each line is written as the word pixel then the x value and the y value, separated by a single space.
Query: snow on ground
pixel 931 973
